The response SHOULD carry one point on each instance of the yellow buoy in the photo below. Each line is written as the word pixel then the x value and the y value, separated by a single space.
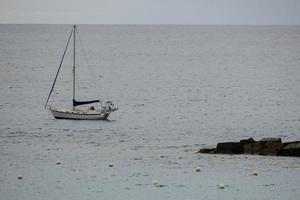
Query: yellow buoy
pixel 110 164
pixel 221 186
pixel 20 177
pixel 255 173
pixel 58 162
pixel 155 183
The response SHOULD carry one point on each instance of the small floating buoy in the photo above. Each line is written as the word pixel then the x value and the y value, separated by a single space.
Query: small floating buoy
pixel 155 183
pixel 198 169
pixel 58 162
pixel 221 186
pixel 19 177
pixel 110 164
pixel 255 173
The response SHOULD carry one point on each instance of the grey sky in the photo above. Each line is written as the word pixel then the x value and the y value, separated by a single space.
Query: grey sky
pixel 151 11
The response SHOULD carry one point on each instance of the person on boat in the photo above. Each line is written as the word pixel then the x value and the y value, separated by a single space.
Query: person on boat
pixel 92 108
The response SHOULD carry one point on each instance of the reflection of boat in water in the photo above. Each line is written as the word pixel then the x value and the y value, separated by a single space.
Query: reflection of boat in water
pixel 75 113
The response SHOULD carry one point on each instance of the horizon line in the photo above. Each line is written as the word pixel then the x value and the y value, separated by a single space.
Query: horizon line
pixel 154 24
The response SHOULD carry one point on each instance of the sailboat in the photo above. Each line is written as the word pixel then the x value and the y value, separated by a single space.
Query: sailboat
pixel 90 113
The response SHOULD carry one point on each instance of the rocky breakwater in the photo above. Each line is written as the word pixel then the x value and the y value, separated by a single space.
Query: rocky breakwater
pixel 265 146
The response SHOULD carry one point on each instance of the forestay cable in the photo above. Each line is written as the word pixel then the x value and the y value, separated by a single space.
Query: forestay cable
pixel 59 67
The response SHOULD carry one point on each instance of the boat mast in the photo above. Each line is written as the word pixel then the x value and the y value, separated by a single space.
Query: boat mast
pixel 74 31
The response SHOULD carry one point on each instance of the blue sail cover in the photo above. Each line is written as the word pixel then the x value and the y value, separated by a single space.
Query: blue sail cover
pixel 77 103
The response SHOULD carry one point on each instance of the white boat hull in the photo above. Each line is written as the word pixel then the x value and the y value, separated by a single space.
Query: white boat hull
pixel 79 115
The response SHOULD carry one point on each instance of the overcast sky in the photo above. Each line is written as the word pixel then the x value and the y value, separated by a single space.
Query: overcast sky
pixel 151 11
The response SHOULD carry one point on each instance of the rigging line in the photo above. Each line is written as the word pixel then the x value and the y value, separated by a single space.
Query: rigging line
pixel 91 70
pixel 83 49
pixel 59 68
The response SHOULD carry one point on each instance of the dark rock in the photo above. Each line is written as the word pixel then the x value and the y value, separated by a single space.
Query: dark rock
pixel 267 146
pixel 247 141
pixel 290 149
pixel 252 148
pixel 287 143
pixel 212 150
pixel 229 148
pixel 271 147
pixel 271 140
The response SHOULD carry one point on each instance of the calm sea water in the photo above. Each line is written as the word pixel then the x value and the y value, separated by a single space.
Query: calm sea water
pixel 179 88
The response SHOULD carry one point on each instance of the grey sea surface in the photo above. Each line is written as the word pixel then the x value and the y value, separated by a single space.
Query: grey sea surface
pixel 179 89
